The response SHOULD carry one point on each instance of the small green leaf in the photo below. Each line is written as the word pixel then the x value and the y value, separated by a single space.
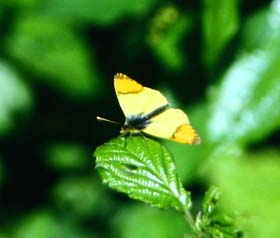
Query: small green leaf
pixel 210 200
pixel 143 169
pixel 212 221
pixel 220 23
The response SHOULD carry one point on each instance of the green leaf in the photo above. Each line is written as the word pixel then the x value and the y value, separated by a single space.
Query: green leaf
pixel 100 12
pixel 243 106
pixel 143 169
pixel 14 96
pixel 56 53
pixel 220 23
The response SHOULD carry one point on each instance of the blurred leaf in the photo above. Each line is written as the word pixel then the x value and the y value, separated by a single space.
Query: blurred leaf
pixel 44 225
pixel 243 106
pixel 143 169
pixel 141 221
pixel 167 31
pixel 56 54
pixel 14 96
pixel 250 185
pixel 220 23
pixel 100 12
pixel 80 197
pixel 63 156
pixel 262 30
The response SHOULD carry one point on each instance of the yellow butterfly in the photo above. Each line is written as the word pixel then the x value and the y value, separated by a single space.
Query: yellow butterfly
pixel 147 110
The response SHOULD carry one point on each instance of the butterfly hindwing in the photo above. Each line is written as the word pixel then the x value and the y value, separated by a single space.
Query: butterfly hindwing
pixel 172 124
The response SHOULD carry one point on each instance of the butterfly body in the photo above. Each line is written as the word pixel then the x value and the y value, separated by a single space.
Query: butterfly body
pixel 135 123
pixel 148 111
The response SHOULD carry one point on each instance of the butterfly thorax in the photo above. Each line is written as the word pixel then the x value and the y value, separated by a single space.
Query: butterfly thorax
pixel 138 122
pixel 135 123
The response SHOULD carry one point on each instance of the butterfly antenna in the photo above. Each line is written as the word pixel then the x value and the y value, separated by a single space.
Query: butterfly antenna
pixel 106 120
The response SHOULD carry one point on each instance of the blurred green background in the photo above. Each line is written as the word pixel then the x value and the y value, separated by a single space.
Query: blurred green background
pixel 218 60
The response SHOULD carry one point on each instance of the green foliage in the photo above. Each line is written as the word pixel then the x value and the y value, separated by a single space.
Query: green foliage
pixel 143 169
pixel 53 49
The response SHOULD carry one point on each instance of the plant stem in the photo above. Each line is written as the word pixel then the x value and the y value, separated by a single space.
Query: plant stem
pixel 189 219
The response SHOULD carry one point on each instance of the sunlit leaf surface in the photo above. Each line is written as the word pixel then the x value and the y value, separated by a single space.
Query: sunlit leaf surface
pixel 244 104
pixel 14 96
pixel 143 169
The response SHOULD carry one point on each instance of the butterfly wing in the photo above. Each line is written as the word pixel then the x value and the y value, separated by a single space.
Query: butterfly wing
pixel 134 98
pixel 173 124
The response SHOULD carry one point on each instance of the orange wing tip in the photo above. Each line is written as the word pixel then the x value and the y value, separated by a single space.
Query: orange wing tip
pixel 125 85
pixel 186 134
